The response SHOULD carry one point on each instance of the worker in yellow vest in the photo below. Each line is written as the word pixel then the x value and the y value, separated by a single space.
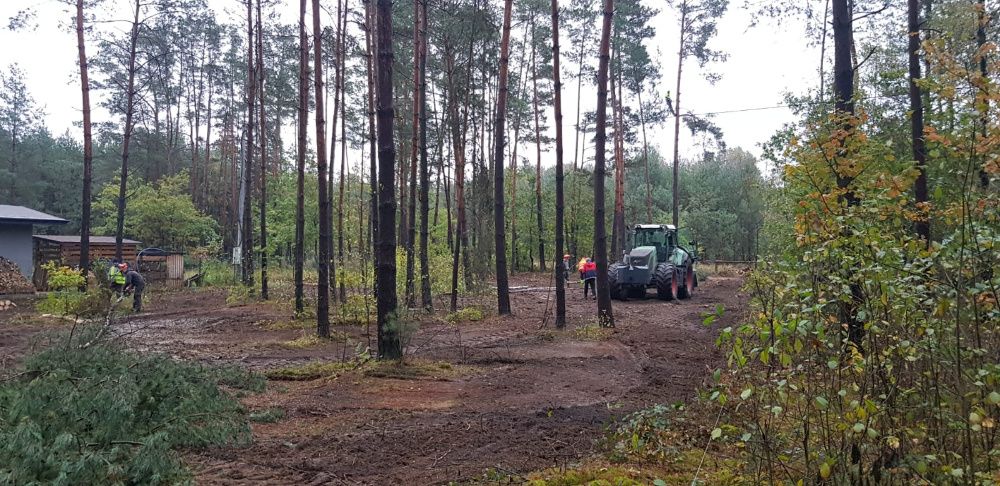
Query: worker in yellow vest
pixel 116 277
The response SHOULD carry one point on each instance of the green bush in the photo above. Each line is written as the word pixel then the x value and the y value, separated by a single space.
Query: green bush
pixel 472 314
pixel 63 278
pixel 103 415
pixel 89 304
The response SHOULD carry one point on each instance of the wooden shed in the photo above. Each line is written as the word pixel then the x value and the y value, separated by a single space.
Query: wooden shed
pixel 161 266
pixel 65 250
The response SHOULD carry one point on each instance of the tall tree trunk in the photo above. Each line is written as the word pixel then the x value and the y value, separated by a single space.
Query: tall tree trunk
pixel 645 157
pixel 263 157
pixel 323 286
pixel 127 134
pixel 605 316
pixel 458 143
pixel 675 190
pixel 500 238
pixel 300 160
pixel 338 104
pixel 425 275
pixel 208 139
pixel 922 226
pixel 538 160
pixel 982 18
pixel 389 344
pixel 372 146
pixel 618 218
pixel 414 152
pixel 88 146
pixel 246 252
pixel 843 87
pixel 342 69
pixel 557 107
pixel 579 96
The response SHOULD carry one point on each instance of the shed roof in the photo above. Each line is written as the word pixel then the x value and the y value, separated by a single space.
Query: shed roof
pixel 23 215
pixel 94 240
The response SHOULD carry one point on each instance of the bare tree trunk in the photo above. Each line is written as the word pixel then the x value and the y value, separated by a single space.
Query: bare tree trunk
pixel 500 236
pixel 303 112
pixel 645 158
pixel 922 226
pixel 425 277
pixel 604 313
pixel 246 252
pixel 334 118
pixel 208 140
pixel 557 107
pixel 389 344
pixel 579 94
pixel 372 146
pixel 323 287
pixel 538 160
pixel 341 68
pixel 263 157
pixel 982 18
pixel 88 146
pixel 127 135
pixel 618 218
pixel 675 191
pixel 414 151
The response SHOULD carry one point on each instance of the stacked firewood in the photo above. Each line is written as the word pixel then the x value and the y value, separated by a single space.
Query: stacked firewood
pixel 12 281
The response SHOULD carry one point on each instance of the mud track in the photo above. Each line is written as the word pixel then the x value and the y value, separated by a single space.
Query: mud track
pixel 512 394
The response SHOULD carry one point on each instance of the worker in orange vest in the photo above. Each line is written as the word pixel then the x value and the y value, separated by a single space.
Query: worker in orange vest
pixel 589 275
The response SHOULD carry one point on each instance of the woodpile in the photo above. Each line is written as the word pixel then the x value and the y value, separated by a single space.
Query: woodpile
pixel 12 281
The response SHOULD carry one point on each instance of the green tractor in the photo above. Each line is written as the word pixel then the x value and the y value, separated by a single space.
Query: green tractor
pixel 657 261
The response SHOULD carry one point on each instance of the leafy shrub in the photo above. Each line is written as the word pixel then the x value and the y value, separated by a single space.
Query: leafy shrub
pixel 63 277
pixel 592 332
pixel 103 415
pixel 472 314
pixel 645 435
pixel 89 304
pixel 358 310
pixel 237 295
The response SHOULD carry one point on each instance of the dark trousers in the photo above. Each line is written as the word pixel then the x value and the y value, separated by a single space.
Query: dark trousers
pixel 590 283
pixel 137 299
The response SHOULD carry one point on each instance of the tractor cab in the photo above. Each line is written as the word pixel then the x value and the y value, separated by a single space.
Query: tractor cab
pixel 663 237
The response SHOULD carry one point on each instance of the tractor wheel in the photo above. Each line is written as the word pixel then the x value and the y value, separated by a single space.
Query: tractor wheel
pixel 687 288
pixel 614 282
pixel 665 282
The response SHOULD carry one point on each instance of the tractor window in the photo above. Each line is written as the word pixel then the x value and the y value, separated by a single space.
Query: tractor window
pixel 649 238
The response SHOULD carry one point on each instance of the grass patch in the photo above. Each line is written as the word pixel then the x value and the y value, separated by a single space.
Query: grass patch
pixel 411 370
pixel 468 314
pixel 310 371
pixel 268 415
pixel 289 325
pixel 592 332
pixel 312 340
pixel 437 370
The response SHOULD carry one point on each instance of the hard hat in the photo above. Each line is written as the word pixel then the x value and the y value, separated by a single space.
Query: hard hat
pixel 566 256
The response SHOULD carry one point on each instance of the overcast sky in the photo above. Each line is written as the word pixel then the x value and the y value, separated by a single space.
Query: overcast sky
pixel 764 62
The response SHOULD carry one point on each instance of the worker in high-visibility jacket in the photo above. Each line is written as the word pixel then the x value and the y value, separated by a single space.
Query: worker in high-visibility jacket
pixel 116 277
pixel 590 278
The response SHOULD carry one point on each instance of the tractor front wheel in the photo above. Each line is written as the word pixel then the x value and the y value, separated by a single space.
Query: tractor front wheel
pixel 664 280
pixel 615 283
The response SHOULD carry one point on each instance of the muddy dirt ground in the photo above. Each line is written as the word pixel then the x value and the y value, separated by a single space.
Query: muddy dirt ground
pixel 510 394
